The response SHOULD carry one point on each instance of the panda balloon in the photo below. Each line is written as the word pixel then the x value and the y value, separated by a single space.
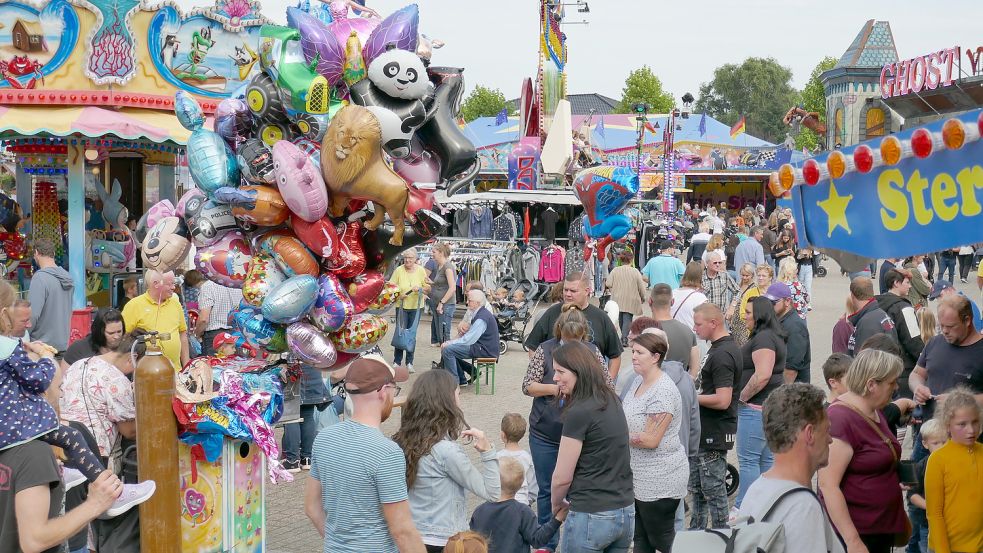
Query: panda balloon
pixel 400 95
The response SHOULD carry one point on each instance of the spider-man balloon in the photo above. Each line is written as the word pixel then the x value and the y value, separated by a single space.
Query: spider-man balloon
pixel 605 192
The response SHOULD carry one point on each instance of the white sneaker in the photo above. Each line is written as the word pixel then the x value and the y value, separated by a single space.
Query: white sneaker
pixel 71 477
pixel 409 368
pixel 733 515
pixel 133 495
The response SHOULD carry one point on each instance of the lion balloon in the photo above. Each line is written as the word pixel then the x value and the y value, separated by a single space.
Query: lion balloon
pixel 353 168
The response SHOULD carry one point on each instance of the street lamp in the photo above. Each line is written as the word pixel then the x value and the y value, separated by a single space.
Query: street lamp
pixel 641 110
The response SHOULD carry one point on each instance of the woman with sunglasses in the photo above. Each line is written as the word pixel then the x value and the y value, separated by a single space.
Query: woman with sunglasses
pixel 411 279
pixel 438 471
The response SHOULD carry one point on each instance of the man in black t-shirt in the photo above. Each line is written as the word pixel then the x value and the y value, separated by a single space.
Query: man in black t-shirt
pixel 31 494
pixel 719 376
pixel 600 330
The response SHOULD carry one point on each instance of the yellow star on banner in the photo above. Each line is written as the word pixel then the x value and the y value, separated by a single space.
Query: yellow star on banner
pixel 835 208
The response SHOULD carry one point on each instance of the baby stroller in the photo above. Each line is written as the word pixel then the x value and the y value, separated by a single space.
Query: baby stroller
pixel 512 327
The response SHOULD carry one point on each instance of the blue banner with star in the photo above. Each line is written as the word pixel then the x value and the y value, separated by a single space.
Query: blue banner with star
pixel 916 206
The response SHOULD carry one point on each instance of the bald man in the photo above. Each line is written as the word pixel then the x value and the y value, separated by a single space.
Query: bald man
pixel 159 309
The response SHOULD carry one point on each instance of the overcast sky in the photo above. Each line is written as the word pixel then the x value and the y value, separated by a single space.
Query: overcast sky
pixel 683 41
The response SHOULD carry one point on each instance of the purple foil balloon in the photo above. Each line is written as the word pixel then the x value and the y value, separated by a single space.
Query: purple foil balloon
pixel 333 308
pixel 400 29
pixel 317 41
pixel 311 346
pixel 233 121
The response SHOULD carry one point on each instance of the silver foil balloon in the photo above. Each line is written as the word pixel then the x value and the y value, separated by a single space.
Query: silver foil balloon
pixel 311 346
pixel 290 301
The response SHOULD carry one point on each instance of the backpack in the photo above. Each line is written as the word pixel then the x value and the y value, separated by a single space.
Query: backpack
pixel 745 536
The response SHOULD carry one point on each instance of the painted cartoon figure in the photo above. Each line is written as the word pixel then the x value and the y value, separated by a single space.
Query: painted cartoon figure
pixel 201 43
pixel 19 66
pixel 245 58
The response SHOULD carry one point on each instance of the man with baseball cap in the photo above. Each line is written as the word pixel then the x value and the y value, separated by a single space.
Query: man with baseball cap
pixel 943 288
pixel 798 353
pixel 356 496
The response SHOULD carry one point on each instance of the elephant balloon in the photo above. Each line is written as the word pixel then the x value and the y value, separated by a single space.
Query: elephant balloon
pixel 300 183
pixel 605 192
pixel 312 347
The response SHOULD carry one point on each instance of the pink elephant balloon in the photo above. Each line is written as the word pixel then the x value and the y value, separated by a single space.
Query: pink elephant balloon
pixel 299 182
pixel 226 262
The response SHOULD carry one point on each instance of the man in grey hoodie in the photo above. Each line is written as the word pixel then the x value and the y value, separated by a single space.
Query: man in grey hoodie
pixel 51 298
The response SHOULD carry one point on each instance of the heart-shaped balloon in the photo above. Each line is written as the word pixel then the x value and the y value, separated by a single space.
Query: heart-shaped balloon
pixel 320 236
pixel 333 308
pixel 288 252
pixel 365 288
pixel 361 333
pixel 291 300
pixel 386 299
pixel 262 277
pixel 311 346
pixel 226 262
pixel 343 359
pixel 351 256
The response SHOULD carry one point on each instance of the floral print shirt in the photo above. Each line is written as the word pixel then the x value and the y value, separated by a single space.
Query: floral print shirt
pixel 96 394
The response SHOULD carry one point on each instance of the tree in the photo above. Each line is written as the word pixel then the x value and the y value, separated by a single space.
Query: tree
pixel 643 86
pixel 482 102
pixel 759 89
pixel 814 99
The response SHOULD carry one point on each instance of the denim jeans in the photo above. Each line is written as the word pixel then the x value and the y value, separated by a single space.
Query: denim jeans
pixel 707 471
pixel 606 531
pixel 947 263
pixel 680 523
pixel 544 463
pixel 441 324
pixel 449 356
pixel 753 454
pixel 410 319
pixel 805 277
pixel 298 438
pixel 918 543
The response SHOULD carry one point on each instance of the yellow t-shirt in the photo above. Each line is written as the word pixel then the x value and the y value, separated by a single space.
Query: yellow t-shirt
pixel 751 293
pixel 954 498
pixel 143 313
pixel 409 281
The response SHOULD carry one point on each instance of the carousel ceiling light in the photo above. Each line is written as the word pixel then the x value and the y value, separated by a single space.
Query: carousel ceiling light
pixel 91 154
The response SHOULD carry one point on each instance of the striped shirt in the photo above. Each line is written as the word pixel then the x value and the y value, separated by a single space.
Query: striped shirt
pixel 355 482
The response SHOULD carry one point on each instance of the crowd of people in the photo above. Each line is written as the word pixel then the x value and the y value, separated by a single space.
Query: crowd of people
pixel 615 455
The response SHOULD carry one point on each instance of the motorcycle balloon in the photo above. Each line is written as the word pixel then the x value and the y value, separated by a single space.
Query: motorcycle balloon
pixel 226 261
pixel 365 289
pixel 166 246
pixel 255 162
pixel 299 182
pixel 360 334
pixel 351 256
pixel 320 236
pixel 333 308
pixel 291 300
pixel 266 207
pixel 262 277
pixel 312 347
pixel 288 252
pixel 233 121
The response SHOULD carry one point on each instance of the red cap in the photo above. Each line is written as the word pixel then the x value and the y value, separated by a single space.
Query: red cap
pixel 221 339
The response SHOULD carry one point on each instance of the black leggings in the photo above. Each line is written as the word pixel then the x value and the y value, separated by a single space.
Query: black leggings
pixel 878 543
pixel 965 265
pixel 77 452
pixel 654 525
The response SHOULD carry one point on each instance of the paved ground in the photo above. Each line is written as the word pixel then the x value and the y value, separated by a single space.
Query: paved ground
pixel 288 529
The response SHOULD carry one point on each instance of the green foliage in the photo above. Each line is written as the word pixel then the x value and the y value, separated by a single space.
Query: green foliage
pixel 482 102
pixel 643 86
pixel 814 99
pixel 760 89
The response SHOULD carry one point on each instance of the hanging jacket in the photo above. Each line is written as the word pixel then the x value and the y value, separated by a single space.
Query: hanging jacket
pixel 481 222
pixel 503 228
pixel 462 223
pixel 551 265
pixel 24 412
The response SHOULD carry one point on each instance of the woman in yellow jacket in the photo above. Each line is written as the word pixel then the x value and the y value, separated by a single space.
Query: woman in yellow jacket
pixel 954 479
pixel 411 278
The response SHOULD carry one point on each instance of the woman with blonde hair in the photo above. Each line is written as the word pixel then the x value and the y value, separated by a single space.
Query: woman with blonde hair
pixel 928 324
pixel 442 295
pixel 689 294
pixel 860 485
pixel 788 272
pixel 716 244
pixel 754 282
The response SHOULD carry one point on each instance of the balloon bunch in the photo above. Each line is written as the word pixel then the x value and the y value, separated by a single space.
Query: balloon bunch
pixel 290 234
pixel 605 191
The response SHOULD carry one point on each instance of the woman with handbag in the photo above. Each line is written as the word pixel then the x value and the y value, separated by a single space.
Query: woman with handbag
pixel 411 279
pixel 735 318
pixel 442 294
pixel 860 486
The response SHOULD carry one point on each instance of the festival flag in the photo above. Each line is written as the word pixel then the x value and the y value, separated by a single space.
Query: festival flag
pixel 703 125
pixel 805 150
pixel 599 129
pixel 738 128
pixel 502 117
pixel 649 127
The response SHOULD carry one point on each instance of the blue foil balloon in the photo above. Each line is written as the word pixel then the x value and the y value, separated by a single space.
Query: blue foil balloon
pixel 333 307
pixel 188 112
pixel 290 301
pixel 211 162
pixel 258 331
